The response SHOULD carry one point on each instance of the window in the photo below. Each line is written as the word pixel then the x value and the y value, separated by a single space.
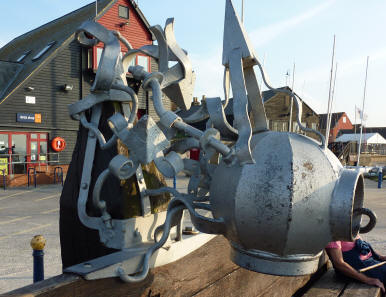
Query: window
pixel 313 126
pixel 3 144
pixel 344 120
pixel 279 126
pixel 99 51
pixel 274 126
pixel 144 62
pixel 43 51
pixel 295 127
pixel 123 12
pixel 132 62
pixel 21 58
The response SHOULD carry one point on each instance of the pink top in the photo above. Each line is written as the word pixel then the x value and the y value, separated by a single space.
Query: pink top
pixel 342 245
pixel 347 246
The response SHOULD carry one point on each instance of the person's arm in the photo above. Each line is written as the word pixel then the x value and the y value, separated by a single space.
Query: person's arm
pixel 336 258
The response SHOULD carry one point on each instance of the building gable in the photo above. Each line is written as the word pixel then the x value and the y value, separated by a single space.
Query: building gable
pixel 57 33
pixel 49 38
pixel 132 28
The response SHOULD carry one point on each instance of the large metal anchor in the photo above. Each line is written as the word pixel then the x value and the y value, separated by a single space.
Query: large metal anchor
pixel 278 197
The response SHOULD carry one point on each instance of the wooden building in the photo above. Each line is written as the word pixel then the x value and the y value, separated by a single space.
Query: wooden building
pixel 45 70
pixel 339 121
pixel 277 108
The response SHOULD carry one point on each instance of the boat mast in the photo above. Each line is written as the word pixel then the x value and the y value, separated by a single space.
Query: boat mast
pixel 362 112
pixel 242 11
pixel 333 95
pixel 329 97
pixel 290 115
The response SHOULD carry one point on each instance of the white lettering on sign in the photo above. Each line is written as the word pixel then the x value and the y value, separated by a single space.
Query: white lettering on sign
pixel 27 117
pixel 30 99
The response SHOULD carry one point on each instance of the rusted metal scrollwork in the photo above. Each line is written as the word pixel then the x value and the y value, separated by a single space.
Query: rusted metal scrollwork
pixel 278 197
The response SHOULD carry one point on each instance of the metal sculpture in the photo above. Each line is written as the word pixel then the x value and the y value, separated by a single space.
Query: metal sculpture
pixel 278 197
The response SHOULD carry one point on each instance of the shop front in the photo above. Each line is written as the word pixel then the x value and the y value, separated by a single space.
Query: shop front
pixel 21 150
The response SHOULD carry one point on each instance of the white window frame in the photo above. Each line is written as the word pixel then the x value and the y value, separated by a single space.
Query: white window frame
pixel 143 61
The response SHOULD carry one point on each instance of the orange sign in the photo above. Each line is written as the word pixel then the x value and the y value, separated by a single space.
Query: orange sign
pixel 38 117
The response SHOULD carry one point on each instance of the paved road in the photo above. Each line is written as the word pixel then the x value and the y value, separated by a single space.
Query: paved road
pixel 375 199
pixel 27 212
pixel 24 213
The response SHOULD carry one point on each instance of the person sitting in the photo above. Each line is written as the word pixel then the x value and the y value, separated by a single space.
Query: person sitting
pixel 349 257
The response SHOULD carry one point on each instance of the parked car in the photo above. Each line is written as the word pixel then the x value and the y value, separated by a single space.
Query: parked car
pixel 375 171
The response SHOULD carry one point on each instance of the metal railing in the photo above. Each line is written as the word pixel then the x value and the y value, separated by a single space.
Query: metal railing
pixel 58 174
pixel 339 148
pixel 34 175
pixel 20 160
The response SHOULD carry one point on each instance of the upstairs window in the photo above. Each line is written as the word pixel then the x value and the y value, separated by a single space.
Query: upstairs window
pixel 21 58
pixel 99 51
pixel 144 62
pixel 43 51
pixel 123 12
pixel 95 55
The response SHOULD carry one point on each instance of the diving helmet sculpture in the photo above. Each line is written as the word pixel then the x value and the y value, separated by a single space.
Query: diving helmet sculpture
pixel 278 197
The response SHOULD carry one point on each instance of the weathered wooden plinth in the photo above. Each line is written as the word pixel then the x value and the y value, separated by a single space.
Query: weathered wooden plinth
pixel 203 273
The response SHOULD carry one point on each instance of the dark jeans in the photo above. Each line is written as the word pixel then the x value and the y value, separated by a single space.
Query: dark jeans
pixel 363 248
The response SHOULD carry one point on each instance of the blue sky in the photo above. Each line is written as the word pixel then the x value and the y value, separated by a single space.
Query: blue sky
pixel 283 33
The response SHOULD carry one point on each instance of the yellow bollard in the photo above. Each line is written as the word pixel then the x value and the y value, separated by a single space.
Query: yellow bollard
pixel 38 243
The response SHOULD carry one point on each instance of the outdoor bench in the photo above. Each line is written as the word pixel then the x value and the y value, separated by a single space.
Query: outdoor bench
pixel 331 285
pixel 206 272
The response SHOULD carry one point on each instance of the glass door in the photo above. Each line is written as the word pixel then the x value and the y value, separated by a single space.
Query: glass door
pixel 38 149
pixel 33 146
pixel 43 157
pixel 18 152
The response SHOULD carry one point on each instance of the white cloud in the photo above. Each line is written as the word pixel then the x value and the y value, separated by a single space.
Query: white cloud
pixel 266 34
